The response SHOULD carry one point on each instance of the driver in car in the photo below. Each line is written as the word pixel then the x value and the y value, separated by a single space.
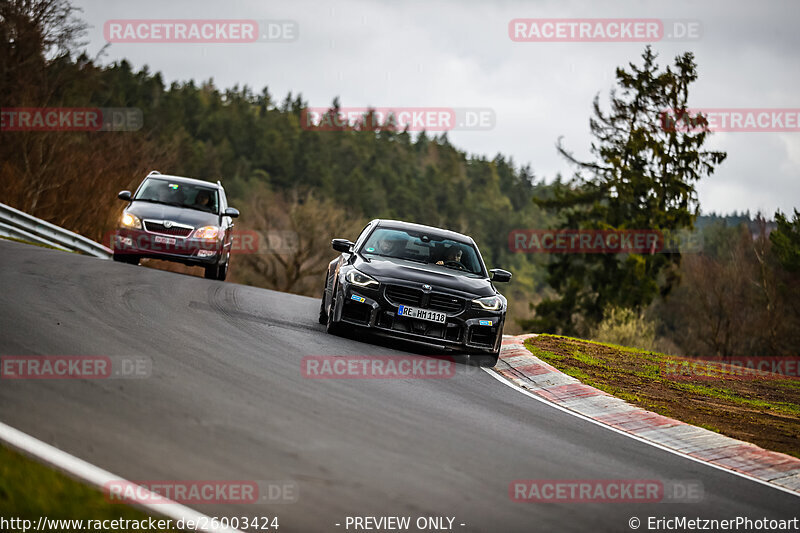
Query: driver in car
pixel 453 256
pixel 387 247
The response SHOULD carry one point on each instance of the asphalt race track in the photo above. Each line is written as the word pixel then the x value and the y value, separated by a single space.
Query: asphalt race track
pixel 227 400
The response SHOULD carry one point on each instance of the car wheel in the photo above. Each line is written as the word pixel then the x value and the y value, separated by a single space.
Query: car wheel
pixel 323 316
pixel 333 327
pixel 222 271
pixel 487 360
pixel 218 272
pixel 125 258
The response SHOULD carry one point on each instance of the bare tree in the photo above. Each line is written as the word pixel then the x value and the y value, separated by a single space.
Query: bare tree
pixel 295 240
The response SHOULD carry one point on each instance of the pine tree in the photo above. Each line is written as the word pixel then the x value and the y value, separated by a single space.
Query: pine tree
pixel 642 176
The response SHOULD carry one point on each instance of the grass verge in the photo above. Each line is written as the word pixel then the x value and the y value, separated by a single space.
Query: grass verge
pixel 761 410
pixel 29 490
pixel 39 244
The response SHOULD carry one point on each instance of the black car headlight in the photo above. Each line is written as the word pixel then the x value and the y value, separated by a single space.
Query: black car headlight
pixel 361 280
pixel 488 303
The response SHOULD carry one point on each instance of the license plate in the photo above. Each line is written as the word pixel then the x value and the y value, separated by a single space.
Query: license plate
pixel 163 240
pixel 422 314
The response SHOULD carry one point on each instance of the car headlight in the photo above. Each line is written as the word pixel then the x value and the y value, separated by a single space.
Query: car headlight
pixel 206 232
pixel 489 303
pixel 362 280
pixel 130 221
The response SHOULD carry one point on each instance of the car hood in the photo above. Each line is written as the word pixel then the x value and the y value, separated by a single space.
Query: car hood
pixel 181 215
pixel 383 268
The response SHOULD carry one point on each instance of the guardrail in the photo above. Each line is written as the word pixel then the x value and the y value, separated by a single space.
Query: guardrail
pixel 20 225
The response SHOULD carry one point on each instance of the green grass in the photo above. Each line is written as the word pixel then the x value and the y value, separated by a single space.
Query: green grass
pixel 653 372
pixel 721 402
pixel 725 394
pixel 29 490
pixel 40 245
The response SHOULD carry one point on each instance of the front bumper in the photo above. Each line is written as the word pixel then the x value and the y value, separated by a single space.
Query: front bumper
pixel 170 248
pixel 466 329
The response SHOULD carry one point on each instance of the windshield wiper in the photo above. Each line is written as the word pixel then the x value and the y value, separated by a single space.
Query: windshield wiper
pixel 198 208
pixel 152 201
pixel 396 257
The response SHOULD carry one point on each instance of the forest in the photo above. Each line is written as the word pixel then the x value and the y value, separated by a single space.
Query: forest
pixel 734 295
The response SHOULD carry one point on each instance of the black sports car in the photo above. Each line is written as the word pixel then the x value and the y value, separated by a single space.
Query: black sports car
pixel 177 219
pixel 419 283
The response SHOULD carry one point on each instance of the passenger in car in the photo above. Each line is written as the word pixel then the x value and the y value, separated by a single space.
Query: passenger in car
pixel 170 195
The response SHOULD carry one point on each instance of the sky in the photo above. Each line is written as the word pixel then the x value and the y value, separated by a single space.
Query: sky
pixel 458 54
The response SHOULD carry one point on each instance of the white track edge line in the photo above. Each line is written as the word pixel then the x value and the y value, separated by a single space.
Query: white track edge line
pixel 98 477
pixel 679 453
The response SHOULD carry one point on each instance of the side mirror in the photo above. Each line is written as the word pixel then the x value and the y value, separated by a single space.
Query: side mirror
pixel 124 195
pixel 230 212
pixel 342 245
pixel 500 276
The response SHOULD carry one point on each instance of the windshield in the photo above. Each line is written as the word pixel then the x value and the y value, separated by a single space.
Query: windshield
pixel 424 248
pixel 180 194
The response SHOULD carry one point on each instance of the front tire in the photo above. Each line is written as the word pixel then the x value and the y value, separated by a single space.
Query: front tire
pixel 125 258
pixel 218 272
pixel 331 326
pixel 484 360
pixel 323 315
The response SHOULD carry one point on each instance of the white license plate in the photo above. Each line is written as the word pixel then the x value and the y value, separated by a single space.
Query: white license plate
pixel 422 314
pixel 163 240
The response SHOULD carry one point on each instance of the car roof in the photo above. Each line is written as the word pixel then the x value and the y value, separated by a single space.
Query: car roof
pixel 181 179
pixel 399 224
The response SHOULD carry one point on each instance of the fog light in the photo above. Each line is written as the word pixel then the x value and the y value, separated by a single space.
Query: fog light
pixel 205 253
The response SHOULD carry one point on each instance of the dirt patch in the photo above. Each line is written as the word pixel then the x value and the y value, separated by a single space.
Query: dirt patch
pixel 726 399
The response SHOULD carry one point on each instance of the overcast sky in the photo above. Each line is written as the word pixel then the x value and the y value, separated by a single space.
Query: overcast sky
pixel 458 53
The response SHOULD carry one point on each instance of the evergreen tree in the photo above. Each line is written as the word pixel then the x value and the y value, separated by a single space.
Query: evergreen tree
pixel 642 176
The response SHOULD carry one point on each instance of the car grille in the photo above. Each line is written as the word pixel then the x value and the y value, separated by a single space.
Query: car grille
pixel 400 295
pixel 158 227
pixel 446 303
pixel 404 295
